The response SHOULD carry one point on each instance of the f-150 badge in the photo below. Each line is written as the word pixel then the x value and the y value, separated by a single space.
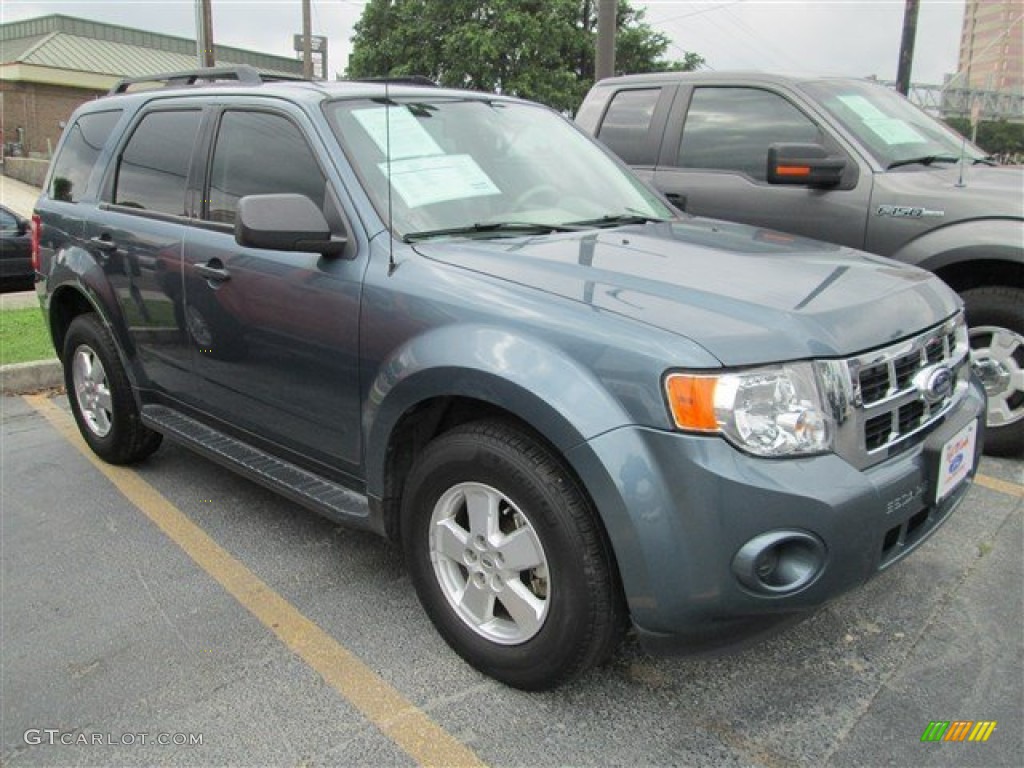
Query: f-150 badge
pixel 908 212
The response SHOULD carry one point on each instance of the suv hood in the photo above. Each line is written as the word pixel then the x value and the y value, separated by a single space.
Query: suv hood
pixel 986 192
pixel 748 296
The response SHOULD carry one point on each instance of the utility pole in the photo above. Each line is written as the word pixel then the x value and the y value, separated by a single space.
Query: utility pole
pixel 204 33
pixel 606 18
pixel 307 42
pixel 907 47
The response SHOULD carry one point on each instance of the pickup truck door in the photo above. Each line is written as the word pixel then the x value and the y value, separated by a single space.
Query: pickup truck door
pixel 714 158
pixel 275 333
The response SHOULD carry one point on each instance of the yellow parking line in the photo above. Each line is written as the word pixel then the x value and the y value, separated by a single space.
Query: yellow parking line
pixel 398 718
pixel 1003 486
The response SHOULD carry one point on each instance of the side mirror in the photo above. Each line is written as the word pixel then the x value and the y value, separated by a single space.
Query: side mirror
pixel 809 165
pixel 23 226
pixel 285 223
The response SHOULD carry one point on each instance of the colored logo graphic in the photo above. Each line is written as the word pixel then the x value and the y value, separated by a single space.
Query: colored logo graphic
pixel 958 730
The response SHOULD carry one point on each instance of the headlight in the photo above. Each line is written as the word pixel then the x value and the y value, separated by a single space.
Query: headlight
pixel 771 411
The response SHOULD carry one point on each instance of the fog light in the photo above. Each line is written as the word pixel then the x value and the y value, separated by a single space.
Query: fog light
pixel 779 562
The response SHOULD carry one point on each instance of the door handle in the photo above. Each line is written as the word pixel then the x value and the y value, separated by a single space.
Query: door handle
pixel 213 270
pixel 678 200
pixel 103 243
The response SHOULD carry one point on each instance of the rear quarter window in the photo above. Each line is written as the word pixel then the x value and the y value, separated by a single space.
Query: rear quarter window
pixel 79 153
pixel 627 124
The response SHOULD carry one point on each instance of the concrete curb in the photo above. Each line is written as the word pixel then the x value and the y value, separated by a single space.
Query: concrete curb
pixel 21 378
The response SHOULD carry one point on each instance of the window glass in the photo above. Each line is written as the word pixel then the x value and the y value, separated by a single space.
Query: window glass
pixel 7 222
pixel 258 153
pixel 153 170
pixel 627 122
pixel 730 129
pixel 78 154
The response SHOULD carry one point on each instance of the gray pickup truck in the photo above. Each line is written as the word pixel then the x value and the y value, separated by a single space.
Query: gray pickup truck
pixel 455 320
pixel 849 162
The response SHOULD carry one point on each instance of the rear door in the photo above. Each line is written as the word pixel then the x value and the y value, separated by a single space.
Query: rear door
pixel 714 160
pixel 275 333
pixel 633 124
pixel 138 240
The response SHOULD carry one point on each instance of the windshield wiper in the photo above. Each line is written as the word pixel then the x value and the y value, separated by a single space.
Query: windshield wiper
pixel 617 220
pixel 524 227
pixel 987 160
pixel 923 160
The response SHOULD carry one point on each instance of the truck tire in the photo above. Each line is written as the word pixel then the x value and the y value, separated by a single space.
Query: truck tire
pixel 995 319
pixel 101 396
pixel 508 558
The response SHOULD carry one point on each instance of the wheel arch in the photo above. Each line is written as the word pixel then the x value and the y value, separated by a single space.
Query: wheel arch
pixel 456 375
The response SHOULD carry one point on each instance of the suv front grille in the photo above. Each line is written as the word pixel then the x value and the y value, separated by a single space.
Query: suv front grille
pixel 881 399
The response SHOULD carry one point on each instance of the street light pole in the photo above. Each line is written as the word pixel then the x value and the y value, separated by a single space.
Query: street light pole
pixel 907 47
pixel 606 17
pixel 204 33
pixel 307 42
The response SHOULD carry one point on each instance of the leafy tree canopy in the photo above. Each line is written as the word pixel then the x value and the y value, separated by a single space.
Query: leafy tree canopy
pixel 997 137
pixel 536 49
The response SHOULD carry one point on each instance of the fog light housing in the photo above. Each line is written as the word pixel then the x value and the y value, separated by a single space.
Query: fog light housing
pixel 779 562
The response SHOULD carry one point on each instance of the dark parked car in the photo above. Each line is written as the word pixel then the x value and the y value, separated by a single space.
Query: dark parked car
pixel 848 161
pixel 455 320
pixel 16 271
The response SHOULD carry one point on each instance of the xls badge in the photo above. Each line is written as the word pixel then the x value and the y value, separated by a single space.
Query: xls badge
pixel 908 212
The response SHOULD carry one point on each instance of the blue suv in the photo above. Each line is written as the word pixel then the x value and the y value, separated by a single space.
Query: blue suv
pixel 455 320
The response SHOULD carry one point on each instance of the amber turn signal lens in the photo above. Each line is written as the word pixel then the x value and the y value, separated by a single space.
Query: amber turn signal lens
pixel 692 401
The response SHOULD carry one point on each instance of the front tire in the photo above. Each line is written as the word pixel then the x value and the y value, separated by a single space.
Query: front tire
pixel 508 558
pixel 101 396
pixel 995 321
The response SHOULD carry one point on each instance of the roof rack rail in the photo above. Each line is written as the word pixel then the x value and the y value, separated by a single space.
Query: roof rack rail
pixel 399 80
pixel 241 73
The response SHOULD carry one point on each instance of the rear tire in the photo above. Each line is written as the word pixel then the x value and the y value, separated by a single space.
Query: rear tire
pixel 508 558
pixel 101 395
pixel 995 319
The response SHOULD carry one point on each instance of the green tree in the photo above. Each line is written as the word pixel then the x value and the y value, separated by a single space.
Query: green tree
pixel 997 137
pixel 537 49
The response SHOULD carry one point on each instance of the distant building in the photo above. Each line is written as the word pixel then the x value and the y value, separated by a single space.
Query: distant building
pixel 51 64
pixel 992 47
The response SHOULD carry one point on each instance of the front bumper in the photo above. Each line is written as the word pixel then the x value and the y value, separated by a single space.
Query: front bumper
pixel 678 508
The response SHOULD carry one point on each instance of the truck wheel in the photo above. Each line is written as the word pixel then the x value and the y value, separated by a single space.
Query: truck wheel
pixel 995 319
pixel 101 396
pixel 508 558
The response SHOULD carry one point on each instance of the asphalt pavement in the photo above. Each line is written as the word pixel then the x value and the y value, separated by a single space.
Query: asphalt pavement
pixel 119 625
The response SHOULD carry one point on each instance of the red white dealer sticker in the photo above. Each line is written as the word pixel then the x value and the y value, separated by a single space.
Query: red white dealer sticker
pixel 956 460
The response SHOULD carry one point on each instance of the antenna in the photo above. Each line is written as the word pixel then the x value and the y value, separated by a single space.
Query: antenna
pixel 963 154
pixel 387 151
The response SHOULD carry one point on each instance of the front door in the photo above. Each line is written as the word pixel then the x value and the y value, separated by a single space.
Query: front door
pixel 716 166
pixel 275 333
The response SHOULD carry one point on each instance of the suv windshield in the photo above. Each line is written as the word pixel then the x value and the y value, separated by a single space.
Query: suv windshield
pixel 484 168
pixel 895 131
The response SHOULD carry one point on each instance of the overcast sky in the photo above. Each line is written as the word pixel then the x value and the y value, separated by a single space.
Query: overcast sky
pixel 850 37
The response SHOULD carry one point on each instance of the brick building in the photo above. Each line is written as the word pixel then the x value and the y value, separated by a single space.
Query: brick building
pixel 50 65
pixel 992 46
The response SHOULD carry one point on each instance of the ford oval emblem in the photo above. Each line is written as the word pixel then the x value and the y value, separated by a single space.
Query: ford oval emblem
pixel 936 383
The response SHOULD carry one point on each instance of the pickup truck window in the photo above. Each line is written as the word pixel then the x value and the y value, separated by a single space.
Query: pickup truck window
pixel 153 169
pixel 730 129
pixel 78 155
pixel 626 123
pixel 888 126
pixel 246 141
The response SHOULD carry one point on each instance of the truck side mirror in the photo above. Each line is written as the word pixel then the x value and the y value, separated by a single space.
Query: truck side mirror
pixel 285 222
pixel 809 165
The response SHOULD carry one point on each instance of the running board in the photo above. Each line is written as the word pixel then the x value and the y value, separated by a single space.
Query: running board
pixel 301 486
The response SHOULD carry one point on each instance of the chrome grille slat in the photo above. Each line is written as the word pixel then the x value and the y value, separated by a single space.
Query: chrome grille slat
pixel 877 403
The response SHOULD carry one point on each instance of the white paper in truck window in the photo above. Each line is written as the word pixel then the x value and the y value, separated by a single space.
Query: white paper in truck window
pixel 891 130
pixel 863 108
pixel 408 138
pixel 427 180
